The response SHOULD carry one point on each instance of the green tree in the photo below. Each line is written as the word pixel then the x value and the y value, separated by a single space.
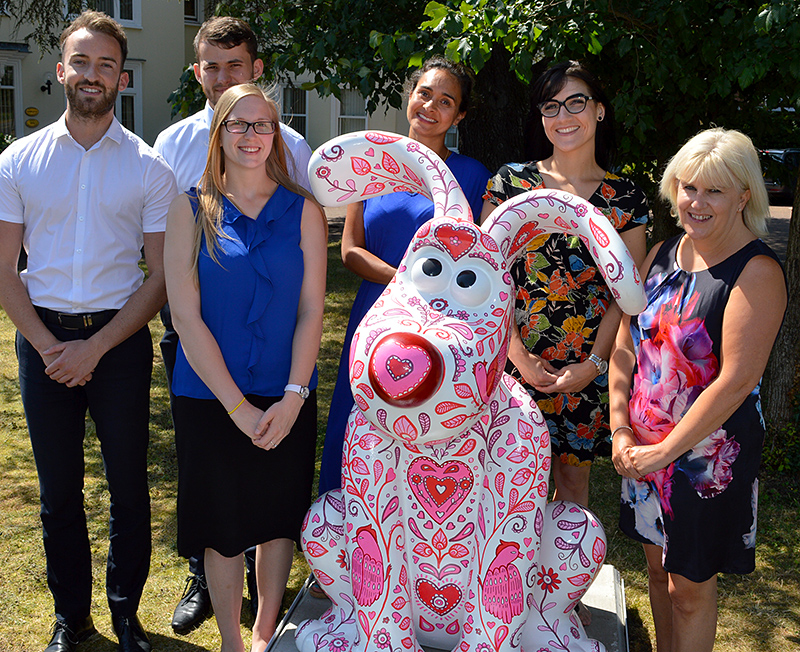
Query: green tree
pixel 41 20
pixel 672 67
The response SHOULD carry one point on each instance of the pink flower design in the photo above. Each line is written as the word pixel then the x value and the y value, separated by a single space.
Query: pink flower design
pixel 338 644
pixel 382 639
pixel 675 365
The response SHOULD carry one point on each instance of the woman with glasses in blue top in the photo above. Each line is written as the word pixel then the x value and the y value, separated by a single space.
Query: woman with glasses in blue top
pixel 566 318
pixel 245 259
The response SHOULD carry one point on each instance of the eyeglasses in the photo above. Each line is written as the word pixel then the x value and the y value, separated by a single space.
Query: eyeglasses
pixel 241 127
pixel 573 104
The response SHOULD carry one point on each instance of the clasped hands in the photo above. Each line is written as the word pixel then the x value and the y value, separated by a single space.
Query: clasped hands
pixel 635 461
pixel 267 428
pixel 543 376
pixel 71 363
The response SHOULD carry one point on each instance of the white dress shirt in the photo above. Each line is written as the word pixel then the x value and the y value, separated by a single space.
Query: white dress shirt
pixel 184 147
pixel 84 213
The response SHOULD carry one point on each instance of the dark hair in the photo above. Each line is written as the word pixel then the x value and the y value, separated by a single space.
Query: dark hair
pixel 458 70
pixel 97 21
pixel 226 32
pixel 537 145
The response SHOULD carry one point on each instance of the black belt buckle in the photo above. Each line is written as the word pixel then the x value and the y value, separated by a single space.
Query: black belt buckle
pixel 77 321
pixel 72 322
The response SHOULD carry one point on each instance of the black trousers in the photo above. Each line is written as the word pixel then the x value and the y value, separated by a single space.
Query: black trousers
pixel 118 400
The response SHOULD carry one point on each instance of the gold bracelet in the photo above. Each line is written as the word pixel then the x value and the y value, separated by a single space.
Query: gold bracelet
pixel 616 430
pixel 240 405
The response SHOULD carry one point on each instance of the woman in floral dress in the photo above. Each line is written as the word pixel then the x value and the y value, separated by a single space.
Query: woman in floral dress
pixel 685 377
pixel 566 318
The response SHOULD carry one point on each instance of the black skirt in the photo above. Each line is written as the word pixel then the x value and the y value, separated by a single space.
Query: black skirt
pixel 233 495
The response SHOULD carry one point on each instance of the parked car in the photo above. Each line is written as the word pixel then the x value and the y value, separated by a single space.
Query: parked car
pixel 780 172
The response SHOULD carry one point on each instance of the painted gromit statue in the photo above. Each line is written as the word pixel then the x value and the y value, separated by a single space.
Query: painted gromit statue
pixel 441 534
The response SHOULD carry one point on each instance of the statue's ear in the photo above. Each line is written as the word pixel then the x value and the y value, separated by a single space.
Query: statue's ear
pixel 365 164
pixel 519 220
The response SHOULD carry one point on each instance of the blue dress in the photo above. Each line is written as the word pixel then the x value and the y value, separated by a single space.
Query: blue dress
pixel 233 495
pixel 390 221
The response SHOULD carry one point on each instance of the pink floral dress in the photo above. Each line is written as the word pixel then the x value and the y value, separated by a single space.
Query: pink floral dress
pixel 701 508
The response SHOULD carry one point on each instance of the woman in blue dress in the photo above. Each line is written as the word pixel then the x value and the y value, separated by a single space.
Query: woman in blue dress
pixel 245 259
pixel 377 231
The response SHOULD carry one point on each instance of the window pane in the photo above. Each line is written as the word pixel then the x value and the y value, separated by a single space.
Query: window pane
pixel 106 6
pixel 126 9
pixel 126 102
pixel 190 9
pixel 7 102
pixel 353 103
pixel 8 77
pixel 294 101
pixel 296 122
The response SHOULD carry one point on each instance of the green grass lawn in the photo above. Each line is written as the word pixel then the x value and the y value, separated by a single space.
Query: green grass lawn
pixel 759 612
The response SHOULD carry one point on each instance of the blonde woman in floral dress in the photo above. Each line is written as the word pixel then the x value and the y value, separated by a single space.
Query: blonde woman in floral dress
pixel 685 380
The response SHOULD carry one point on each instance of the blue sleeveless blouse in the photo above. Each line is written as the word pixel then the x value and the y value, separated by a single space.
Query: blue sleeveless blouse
pixel 250 298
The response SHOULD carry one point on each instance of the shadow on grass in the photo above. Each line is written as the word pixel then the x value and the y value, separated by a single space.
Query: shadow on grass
pixel 103 643
pixel 638 637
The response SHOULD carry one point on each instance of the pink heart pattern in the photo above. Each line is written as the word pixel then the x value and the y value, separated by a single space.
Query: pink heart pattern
pixel 440 489
pixel 400 376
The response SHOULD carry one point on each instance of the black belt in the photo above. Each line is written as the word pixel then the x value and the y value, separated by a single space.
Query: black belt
pixel 76 321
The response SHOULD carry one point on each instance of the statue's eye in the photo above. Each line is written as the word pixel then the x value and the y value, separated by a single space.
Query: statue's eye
pixel 431 267
pixel 466 279
pixel 471 287
pixel 430 275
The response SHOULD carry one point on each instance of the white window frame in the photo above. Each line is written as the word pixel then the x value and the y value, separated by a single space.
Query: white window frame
pixel 337 114
pixel 14 59
pixel 198 19
pixel 452 139
pixel 134 91
pixel 135 22
pixel 286 117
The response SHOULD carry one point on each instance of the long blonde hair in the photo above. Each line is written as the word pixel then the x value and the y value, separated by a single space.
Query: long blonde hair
pixel 212 184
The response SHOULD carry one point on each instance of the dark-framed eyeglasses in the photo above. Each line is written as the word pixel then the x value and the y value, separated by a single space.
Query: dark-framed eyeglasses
pixel 573 104
pixel 241 126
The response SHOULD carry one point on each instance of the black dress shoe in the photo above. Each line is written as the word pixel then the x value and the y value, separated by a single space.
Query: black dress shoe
pixel 67 636
pixel 194 606
pixel 130 634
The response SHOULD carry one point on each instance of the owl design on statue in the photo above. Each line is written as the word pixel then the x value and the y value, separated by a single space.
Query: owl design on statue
pixel 441 534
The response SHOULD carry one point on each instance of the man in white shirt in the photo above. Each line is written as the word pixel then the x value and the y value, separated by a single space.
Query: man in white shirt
pixel 84 195
pixel 226 53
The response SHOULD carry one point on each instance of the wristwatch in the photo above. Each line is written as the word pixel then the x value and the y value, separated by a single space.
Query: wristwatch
pixel 300 389
pixel 602 365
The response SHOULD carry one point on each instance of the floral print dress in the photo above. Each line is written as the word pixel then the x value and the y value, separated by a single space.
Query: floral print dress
pixel 701 508
pixel 561 300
